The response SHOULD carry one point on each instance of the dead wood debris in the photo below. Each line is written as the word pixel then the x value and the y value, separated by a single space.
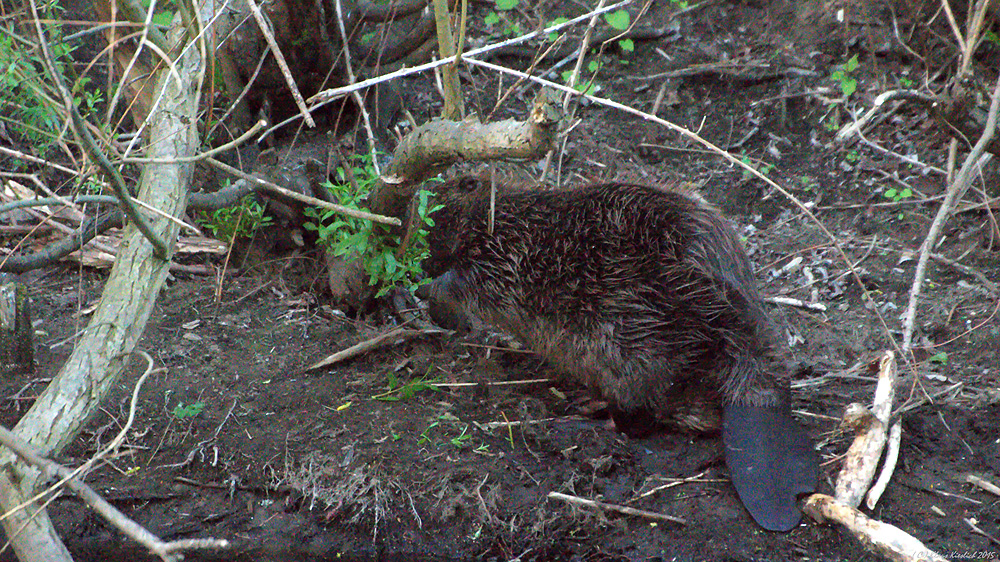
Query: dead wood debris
pixel 857 471
pixel 863 456
pixel 168 551
pixel 576 500
pixel 881 538
pixel 392 336
pixel 984 484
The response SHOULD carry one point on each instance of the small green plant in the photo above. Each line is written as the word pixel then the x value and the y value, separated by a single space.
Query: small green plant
pixel 181 411
pixel 500 16
pixel 992 38
pixel 848 84
pixel 939 358
pixel 399 392
pixel 682 4
pixel 425 435
pixel 620 20
pixel 238 221
pixel 587 87
pixel 553 35
pixel 897 195
pixel 374 243
pixel 764 169
pixel 164 16
pixel 461 441
pixel 905 82
pixel 29 107
pixel 808 183
pixel 852 156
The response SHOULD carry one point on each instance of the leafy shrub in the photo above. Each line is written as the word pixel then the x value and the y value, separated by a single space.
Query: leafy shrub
pixel 375 243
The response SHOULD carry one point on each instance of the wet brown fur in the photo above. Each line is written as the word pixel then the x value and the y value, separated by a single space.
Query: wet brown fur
pixel 643 293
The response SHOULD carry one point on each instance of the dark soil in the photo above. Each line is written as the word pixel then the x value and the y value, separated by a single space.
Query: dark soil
pixel 297 465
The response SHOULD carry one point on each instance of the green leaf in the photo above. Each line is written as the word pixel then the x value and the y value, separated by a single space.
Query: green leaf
pixel 890 193
pixel 507 4
pixel 627 45
pixel 163 18
pixel 618 20
pixel 391 265
pixel 852 63
pixel 181 411
pixel 555 34
pixel 848 86
pixel 907 192
pixel 593 65
pixel 491 19
pixel 939 358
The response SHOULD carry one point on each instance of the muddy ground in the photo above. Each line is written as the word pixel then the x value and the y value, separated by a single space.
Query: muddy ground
pixel 236 440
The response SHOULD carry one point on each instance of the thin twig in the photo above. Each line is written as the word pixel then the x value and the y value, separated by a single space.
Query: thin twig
pixel 23 156
pixel 985 485
pixel 370 344
pixel 208 153
pixel 576 500
pixel 788 301
pixel 279 57
pixel 304 198
pixel 357 97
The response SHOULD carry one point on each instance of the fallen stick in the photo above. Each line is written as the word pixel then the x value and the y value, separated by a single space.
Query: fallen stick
pixel 788 301
pixel 979 482
pixel 673 484
pixel 370 344
pixel 575 500
pixel 864 453
pixel 891 456
pixel 888 540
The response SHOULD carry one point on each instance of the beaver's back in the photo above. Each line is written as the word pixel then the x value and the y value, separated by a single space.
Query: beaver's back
pixel 639 290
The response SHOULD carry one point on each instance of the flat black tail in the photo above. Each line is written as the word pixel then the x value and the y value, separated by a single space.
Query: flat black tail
pixel 771 461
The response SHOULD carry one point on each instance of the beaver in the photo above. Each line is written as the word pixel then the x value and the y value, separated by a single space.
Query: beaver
pixel 646 295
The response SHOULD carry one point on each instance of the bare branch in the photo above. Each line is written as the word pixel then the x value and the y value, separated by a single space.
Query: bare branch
pixel 304 198
pixel 265 29
pixel 973 164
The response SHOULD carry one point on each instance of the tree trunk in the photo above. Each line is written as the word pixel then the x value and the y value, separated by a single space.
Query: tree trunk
pixel 75 394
